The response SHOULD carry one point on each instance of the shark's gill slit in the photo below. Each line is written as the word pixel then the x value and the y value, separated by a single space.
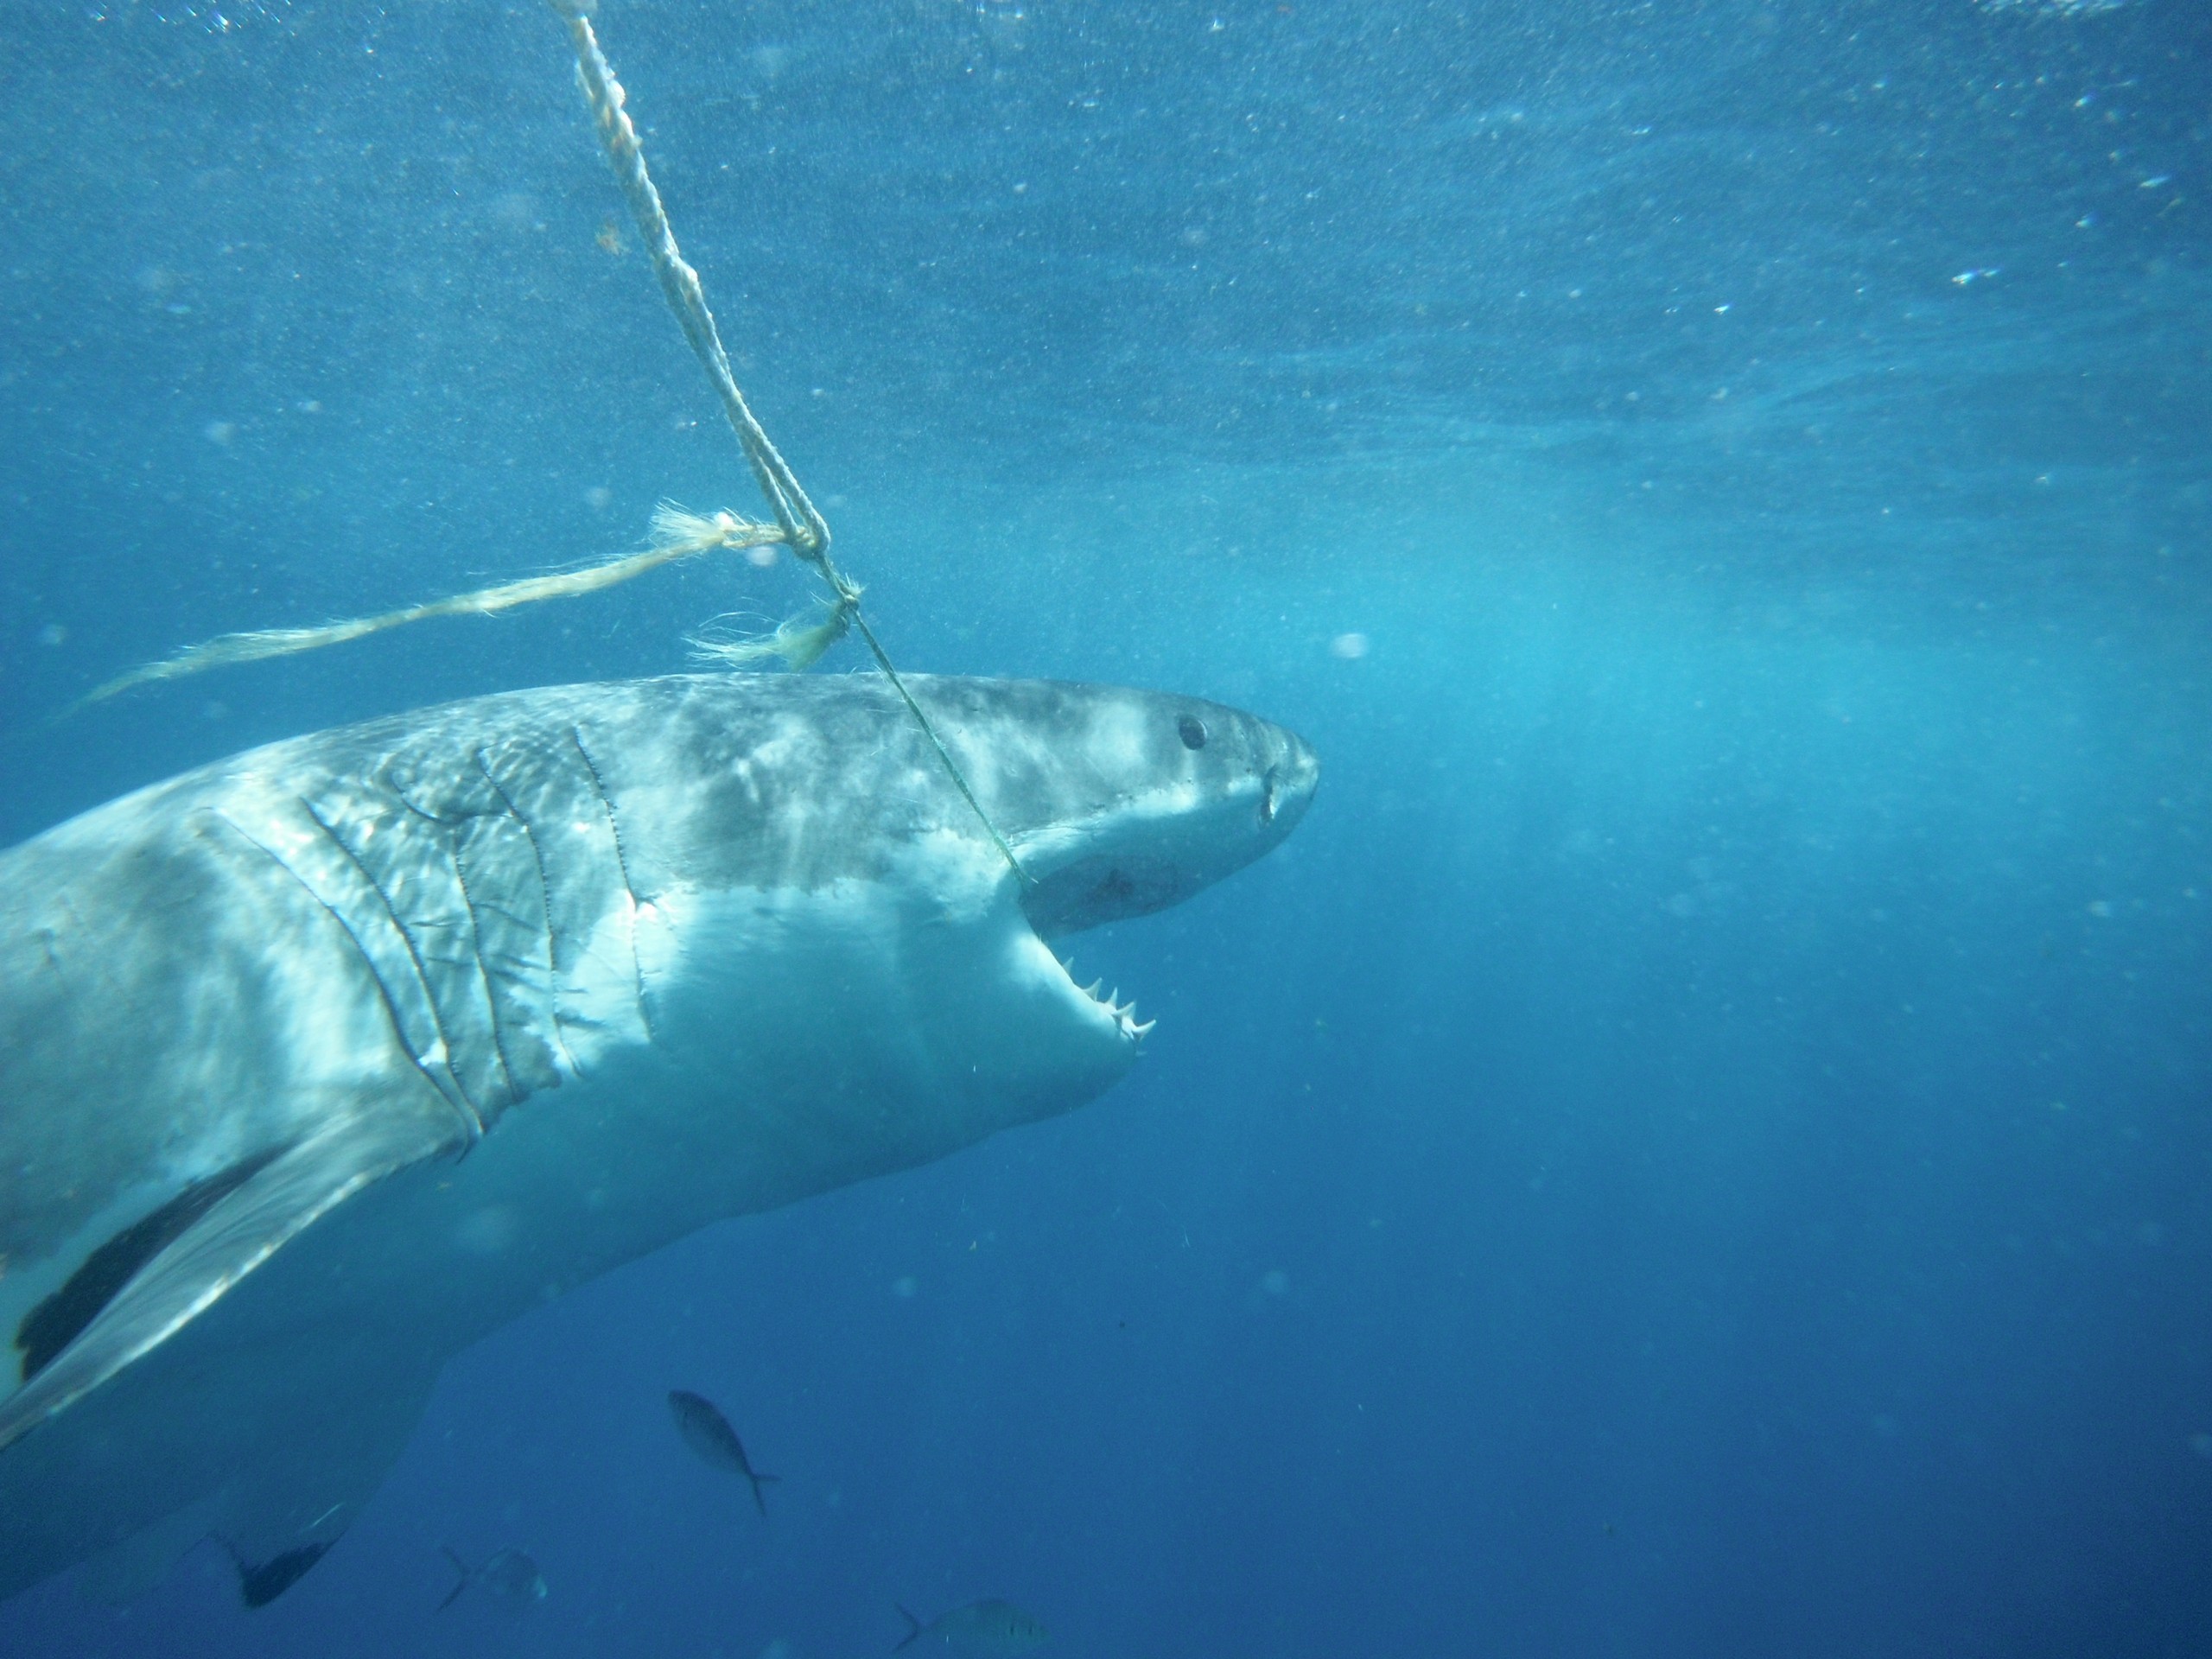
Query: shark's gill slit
pixel 53 1322
pixel 622 865
pixel 452 1088
pixel 537 852
pixel 555 1025
pixel 483 974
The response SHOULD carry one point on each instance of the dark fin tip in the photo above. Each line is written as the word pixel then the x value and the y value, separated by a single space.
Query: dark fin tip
pixel 55 1323
pixel 260 1585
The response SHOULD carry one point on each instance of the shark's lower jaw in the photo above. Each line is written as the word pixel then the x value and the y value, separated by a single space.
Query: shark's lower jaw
pixel 1088 892
pixel 1124 1015
pixel 1098 1012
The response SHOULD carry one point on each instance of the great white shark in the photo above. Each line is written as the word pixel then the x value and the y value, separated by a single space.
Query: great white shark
pixel 320 1063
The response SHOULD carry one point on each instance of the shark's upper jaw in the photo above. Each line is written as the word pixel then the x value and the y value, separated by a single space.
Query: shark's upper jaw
pixel 1094 888
pixel 1156 845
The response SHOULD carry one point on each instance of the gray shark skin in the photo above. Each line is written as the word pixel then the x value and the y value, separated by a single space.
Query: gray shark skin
pixel 320 1063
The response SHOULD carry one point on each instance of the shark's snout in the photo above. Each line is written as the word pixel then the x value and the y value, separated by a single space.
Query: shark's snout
pixel 1289 783
pixel 1228 791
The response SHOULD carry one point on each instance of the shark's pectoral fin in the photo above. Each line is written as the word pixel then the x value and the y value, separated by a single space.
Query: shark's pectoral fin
pixel 249 1223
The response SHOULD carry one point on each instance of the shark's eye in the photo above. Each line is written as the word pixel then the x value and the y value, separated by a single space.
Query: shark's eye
pixel 1192 730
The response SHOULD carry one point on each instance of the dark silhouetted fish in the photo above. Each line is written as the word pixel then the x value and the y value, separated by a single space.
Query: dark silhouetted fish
pixel 708 1432
pixel 510 1574
pixel 981 1628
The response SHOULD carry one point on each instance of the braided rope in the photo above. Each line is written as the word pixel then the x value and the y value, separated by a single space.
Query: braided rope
pixel 677 534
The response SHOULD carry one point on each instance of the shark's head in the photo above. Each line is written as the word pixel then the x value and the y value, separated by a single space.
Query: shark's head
pixel 1115 803
pixel 818 898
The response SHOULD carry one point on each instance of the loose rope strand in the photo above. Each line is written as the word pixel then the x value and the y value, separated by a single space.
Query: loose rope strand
pixel 677 534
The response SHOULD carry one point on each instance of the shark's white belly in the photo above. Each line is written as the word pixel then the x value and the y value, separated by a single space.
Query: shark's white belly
pixel 798 1042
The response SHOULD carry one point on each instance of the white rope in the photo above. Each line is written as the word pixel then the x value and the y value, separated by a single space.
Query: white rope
pixel 677 534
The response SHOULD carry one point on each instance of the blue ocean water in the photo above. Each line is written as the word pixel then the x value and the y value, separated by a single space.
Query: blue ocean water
pixel 1698 1146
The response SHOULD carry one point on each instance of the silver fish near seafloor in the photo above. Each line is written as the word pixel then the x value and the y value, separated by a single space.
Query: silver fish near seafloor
pixel 714 1442
pixel 979 1628
pixel 320 1063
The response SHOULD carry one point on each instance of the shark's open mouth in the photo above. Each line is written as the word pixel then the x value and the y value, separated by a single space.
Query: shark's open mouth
pixel 1091 891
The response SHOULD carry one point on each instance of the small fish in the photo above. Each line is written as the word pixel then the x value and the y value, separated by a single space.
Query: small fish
pixel 981 1628
pixel 510 1574
pixel 610 236
pixel 708 1432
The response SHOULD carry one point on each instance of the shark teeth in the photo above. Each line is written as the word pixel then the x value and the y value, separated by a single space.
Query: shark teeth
pixel 1124 1014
